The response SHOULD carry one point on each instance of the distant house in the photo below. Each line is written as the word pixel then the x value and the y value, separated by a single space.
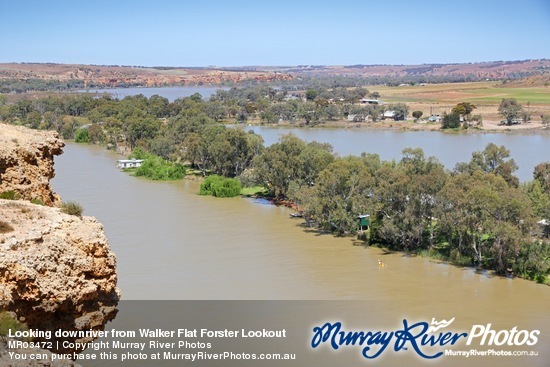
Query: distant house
pixel 434 118
pixel 371 101
pixel 389 114
pixel 129 163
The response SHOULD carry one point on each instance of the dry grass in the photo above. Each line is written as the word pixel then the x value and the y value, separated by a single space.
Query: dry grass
pixel 5 227
pixel 440 98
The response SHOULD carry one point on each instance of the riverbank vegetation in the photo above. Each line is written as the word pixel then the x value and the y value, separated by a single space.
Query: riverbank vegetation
pixel 72 208
pixel 477 214
pixel 220 187
pixel 155 167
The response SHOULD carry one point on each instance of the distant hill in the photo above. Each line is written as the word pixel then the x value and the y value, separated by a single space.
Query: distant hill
pixel 58 76
pixel 46 76
pixel 482 70
pixel 539 80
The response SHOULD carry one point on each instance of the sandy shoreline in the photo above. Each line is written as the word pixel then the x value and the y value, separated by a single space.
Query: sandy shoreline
pixel 410 125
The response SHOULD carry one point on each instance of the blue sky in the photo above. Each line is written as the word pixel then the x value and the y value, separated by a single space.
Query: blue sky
pixel 244 32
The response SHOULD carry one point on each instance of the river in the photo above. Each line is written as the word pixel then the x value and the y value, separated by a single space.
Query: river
pixel 527 149
pixel 171 93
pixel 173 244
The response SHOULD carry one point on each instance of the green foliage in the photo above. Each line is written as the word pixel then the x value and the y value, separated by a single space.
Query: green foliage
pixel 156 168
pixel 464 109
pixel 540 199
pixel 8 322
pixel 311 94
pixel 81 135
pixel 401 111
pixel 10 195
pixel 5 227
pixel 478 119
pixel 72 208
pixel 493 159
pixel 291 160
pixel 96 134
pixel 542 175
pixel 253 190
pixel 510 109
pixel 37 202
pixel 220 187
pixel 450 121
pixel 417 114
pixel 533 261
pixel 340 193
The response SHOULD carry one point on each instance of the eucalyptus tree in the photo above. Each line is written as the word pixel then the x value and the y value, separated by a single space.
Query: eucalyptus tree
pixel 291 160
pixel 407 196
pixel 510 109
pixel 493 159
pixel 342 191
pixel 483 217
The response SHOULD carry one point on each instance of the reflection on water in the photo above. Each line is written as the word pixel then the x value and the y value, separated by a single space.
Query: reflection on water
pixel 174 244
pixel 262 201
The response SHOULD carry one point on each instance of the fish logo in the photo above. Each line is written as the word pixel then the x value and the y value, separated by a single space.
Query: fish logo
pixel 439 325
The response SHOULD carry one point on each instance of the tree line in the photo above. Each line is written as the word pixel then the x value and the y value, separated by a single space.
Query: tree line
pixel 477 213
pixel 260 103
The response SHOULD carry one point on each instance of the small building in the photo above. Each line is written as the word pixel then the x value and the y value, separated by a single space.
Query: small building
pixel 129 163
pixel 434 118
pixel 388 114
pixel 363 221
pixel 371 101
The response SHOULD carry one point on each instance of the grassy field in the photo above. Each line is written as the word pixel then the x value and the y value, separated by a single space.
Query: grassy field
pixel 483 92
pixel 440 98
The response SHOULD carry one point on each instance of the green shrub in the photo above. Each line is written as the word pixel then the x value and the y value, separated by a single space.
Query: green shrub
pixel 220 187
pixel 37 202
pixel 450 121
pixel 8 322
pixel 533 261
pixel 206 185
pixel 72 208
pixel 81 136
pixel 10 195
pixel 156 168
pixel 5 227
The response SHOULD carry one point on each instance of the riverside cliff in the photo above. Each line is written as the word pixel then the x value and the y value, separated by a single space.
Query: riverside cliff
pixel 57 271
pixel 26 162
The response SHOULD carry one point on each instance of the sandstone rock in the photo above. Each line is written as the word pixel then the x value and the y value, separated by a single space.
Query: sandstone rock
pixel 57 271
pixel 26 162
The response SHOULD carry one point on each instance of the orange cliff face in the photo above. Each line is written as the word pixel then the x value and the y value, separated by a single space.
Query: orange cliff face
pixel 120 75
pixel 57 271
pixel 26 162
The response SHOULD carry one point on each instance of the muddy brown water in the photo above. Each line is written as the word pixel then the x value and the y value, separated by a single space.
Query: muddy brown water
pixel 173 244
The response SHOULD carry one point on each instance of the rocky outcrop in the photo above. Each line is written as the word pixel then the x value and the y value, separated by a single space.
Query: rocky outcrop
pixel 123 76
pixel 26 162
pixel 57 271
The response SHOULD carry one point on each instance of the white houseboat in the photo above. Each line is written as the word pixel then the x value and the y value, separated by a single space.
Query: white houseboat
pixel 129 163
